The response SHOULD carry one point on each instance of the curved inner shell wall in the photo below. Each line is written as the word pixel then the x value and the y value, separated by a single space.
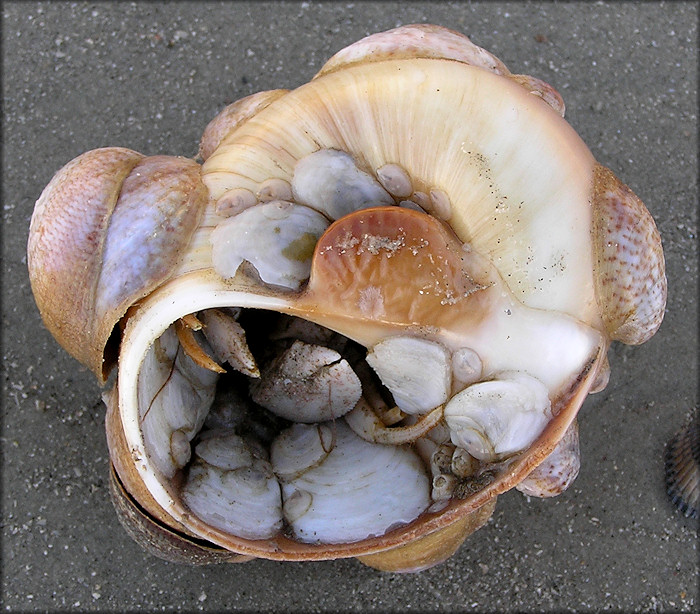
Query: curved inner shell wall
pixel 518 177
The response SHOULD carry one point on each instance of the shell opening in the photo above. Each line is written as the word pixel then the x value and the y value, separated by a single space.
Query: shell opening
pixel 320 465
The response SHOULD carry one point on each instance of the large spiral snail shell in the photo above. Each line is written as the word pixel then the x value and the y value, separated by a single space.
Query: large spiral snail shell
pixel 84 272
pixel 378 303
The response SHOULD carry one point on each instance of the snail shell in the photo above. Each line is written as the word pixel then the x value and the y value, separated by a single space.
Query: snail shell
pixel 94 249
pixel 510 264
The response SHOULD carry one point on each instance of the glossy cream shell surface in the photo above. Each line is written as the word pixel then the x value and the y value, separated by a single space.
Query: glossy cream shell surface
pixel 514 171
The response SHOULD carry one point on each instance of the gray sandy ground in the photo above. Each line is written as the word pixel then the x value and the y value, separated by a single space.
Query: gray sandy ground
pixel 149 76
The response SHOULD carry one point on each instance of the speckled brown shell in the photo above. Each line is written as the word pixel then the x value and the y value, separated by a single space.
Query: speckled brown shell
pixel 629 270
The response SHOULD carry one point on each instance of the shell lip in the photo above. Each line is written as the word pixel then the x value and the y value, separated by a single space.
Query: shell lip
pixel 559 141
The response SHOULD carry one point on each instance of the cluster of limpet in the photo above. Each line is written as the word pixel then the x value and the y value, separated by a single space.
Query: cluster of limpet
pixel 311 448
pixel 253 481
pixel 372 436
pixel 276 228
